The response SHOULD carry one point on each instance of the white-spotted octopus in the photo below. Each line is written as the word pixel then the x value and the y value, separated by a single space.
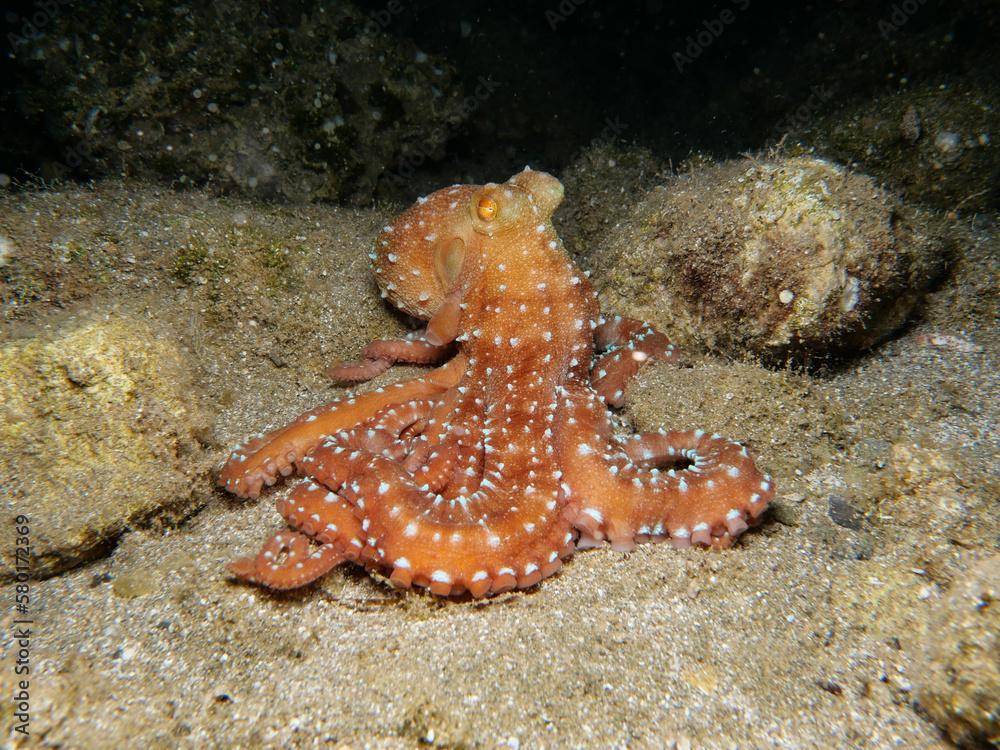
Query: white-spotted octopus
pixel 486 473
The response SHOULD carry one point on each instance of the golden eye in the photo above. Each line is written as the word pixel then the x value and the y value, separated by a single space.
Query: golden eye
pixel 487 209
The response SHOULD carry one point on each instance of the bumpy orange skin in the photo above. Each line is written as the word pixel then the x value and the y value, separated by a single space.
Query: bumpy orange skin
pixel 488 472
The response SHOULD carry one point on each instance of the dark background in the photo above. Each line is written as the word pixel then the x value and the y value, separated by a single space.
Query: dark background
pixel 571 72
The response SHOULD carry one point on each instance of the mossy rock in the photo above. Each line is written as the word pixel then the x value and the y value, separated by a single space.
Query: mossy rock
pixel 100 428
pixel 792 259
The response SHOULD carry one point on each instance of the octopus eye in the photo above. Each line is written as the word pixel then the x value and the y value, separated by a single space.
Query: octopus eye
pixel 487 209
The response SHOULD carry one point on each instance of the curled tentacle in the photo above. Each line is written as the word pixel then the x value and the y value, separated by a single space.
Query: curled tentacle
pixel 286 561
pixel 707 492
pixel 465 542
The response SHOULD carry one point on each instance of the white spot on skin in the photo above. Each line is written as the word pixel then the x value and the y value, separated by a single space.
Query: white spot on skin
pixel 402 563
pixel 440 576
pixel 410 530
pixel 595 514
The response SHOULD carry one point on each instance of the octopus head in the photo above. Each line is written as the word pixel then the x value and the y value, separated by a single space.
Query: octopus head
pixel 424 254
pixel 519 205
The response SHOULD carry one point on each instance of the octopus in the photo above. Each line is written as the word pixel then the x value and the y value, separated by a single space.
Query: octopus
pixel 489 471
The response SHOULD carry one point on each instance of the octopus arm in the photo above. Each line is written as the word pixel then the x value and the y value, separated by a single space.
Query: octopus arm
pixel 323 515
pixel 628 345
pixel 380 355
pixel 487 541
pixel 260 461
pixel 444 326
pixel 287 561
pixel 326 533
pixel 690 487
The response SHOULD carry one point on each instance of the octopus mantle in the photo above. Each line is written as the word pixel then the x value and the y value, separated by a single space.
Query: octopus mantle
pixel 486 473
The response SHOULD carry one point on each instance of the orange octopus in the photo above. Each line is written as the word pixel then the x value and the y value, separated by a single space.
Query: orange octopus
pixel 486 473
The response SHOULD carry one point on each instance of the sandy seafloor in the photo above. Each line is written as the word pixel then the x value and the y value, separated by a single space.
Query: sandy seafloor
pixel 812 632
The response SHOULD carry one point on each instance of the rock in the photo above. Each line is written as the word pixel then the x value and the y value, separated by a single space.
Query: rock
pixel 100 428
pixel 959 674
pixel 791 259
pixel 270 103
pixel 842 513
pixel 932 142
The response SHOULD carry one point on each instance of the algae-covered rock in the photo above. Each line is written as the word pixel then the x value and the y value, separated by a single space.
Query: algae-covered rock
pixel 935 143
pixel 788 259
pixel 309 102
pixel 99 429
pixel 959 678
